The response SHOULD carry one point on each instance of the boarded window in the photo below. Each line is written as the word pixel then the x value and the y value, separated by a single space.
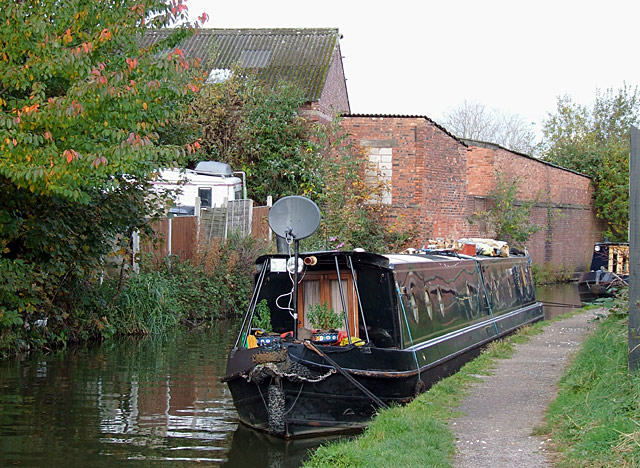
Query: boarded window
pixel 380 171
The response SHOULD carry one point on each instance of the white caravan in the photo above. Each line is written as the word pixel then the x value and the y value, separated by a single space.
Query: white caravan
pixel 213 182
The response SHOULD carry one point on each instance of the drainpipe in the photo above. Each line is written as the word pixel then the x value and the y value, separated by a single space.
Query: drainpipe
pixel 244 183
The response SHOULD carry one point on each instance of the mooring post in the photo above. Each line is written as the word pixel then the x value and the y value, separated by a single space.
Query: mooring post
pixel 634 249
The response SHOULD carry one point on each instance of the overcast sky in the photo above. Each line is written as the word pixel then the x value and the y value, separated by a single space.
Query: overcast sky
pixel 426 57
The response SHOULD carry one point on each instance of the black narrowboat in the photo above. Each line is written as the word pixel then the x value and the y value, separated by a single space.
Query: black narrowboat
pixel 609 270
pixel 407 320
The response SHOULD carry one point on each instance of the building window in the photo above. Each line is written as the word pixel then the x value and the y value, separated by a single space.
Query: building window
pixel 380 171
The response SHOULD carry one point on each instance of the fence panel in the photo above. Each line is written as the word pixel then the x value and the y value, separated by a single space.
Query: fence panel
pixel 160 249
pixel 176 236
pixel 179 235
pixel 260 223
pixel 184 236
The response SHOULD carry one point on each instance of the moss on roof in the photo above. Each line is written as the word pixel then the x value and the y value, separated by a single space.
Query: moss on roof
pixel 300 56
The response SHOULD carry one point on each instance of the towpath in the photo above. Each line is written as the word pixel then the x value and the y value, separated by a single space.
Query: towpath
pixel 502 411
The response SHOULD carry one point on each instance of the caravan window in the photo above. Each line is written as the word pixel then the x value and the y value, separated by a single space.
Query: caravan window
pixel 205 197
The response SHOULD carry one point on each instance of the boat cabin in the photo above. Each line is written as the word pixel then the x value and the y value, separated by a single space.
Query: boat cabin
pixel 392 301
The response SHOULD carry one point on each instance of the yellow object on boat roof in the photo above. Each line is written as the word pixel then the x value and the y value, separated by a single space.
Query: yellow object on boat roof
pixel 354 340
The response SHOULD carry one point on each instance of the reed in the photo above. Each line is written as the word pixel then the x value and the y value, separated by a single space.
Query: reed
pixel 147 305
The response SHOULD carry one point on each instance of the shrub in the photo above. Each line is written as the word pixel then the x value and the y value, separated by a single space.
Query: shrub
pixel 217 283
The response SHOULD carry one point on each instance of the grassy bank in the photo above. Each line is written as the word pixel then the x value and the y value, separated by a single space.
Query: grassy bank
pixel 595 420
pixel 216 284
pixel 418 434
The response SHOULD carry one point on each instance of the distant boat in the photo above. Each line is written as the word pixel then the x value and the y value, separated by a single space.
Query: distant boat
pixel 609 270
pixel 411 319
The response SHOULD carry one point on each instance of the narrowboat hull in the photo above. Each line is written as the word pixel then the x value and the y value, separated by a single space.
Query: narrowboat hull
pixel 609 269
pixel 597 284
pixel 288 390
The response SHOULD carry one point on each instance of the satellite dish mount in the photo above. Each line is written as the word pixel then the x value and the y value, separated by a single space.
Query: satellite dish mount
pixel 294 218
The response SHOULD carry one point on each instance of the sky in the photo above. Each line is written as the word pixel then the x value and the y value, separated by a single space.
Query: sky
pixel 427 57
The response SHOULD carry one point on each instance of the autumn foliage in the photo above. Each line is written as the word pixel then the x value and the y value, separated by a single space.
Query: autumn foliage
pixel 82 116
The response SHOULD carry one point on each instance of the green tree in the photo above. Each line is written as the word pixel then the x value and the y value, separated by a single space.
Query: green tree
pixel 349 198
pixel 507 218
pixel 82 108
pixel 595 141
pixel 258 129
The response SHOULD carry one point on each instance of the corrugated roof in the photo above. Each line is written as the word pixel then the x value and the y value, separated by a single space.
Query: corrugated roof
pixel 300 56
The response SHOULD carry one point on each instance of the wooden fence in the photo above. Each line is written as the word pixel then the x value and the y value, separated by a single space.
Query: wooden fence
pixel 180 235
pixel 175 236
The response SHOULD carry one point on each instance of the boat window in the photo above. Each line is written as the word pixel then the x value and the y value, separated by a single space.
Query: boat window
pixel 413 303
pixel 321 288
pixel 471 296
pixel 311 292
pixel 336 300
pixel 496 291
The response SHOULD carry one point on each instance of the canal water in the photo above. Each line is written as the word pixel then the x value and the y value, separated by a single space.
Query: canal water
pixel 155 402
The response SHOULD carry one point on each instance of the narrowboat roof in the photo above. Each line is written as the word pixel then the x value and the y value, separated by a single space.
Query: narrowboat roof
pixel 383 261
pixel 328 257
pixel 369 258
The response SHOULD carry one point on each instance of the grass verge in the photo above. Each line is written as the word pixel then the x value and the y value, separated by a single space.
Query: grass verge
pixel 418 434
pixel 595 420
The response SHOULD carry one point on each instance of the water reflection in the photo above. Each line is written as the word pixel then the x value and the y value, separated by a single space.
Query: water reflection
pixel 150 401
pixel 144 403
pixel 255 449
pixel 558 298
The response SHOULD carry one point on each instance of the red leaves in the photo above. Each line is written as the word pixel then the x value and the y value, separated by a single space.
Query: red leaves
pixel 99 161
pixel 98 77
pixel 136 141
pixel 178 7
pixel 70 155
pixel 138 8
pixel 85 47
pixel 204 17
pixel 105 35
pixel 132 62
pixel 75 108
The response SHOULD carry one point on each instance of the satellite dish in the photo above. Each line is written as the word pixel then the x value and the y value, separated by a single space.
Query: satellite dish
pixel 294 217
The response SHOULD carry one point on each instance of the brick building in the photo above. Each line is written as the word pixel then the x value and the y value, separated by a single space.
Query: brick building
pixel 436 180
pixel 309 58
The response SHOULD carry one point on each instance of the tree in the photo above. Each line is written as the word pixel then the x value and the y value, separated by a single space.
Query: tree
pixel 257 129
pixel 595 141
pixel 82 108
pixel 474 121
pixel 352 216
pixel 507 218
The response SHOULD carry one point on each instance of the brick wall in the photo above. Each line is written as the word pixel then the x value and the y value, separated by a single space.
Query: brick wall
pixel 334 98
pixel 564 208
pixel 437 181
pixel 428 173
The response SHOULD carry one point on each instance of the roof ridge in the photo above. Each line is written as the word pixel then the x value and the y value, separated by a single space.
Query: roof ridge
pixel 263 31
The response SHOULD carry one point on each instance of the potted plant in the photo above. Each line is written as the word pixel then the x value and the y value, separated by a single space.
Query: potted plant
pixel 322 317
